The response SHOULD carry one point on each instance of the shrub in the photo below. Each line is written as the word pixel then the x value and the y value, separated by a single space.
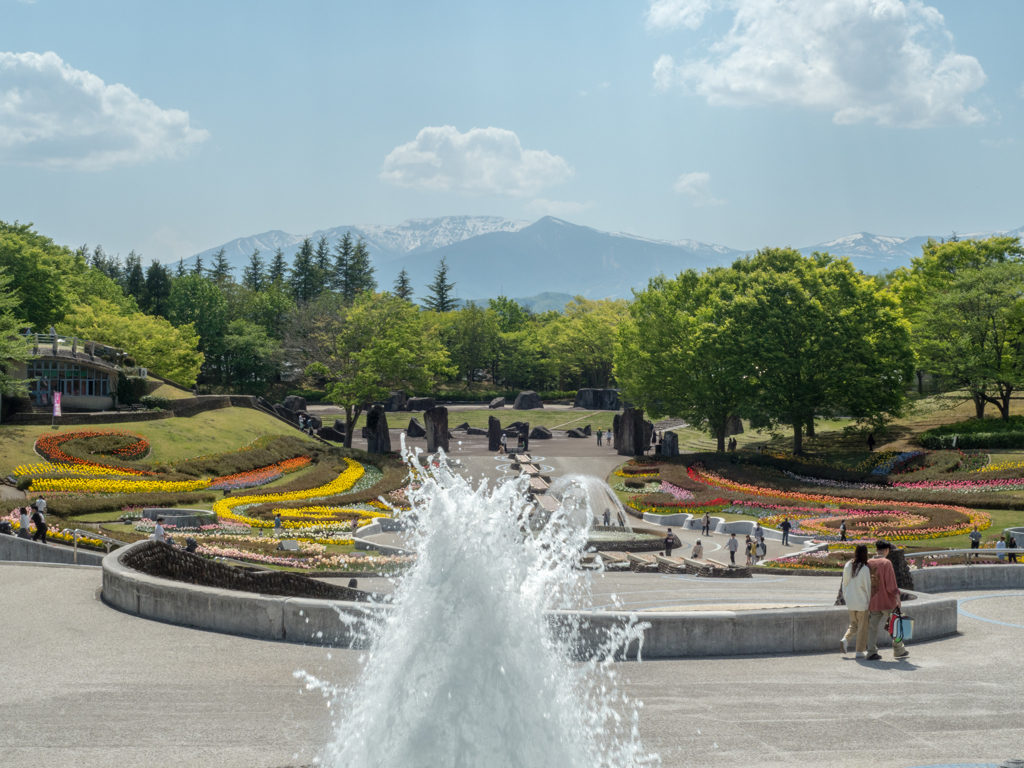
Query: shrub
pixel 1001 439
pixel 312 395
pixel 155 403
pixel 66 506
pixel 130 389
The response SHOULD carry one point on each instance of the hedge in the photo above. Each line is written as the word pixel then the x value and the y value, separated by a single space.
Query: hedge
pixel 72 507
pixel 1003 439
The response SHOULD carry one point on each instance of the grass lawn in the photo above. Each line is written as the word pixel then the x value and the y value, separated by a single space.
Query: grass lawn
pixel 171 439
pixel 538 418
pixel 171 393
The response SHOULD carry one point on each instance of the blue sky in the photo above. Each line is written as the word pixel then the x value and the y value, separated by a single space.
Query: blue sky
pixel 739 122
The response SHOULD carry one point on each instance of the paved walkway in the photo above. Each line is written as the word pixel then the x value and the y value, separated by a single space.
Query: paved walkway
pixel 87 686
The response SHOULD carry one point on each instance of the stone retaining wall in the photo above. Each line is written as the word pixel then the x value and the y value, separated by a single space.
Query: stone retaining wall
pixel 956 578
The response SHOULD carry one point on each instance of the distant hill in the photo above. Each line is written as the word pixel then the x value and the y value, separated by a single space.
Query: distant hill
pixel 548 259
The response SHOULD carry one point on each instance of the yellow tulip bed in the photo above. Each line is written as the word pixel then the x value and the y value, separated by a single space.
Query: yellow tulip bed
pixel 99 485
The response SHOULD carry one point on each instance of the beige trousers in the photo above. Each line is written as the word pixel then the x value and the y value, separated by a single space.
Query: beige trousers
pixel 858 629
pixel 875 619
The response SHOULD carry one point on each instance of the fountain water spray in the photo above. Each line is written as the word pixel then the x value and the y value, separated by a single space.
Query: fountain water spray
pixel 469 668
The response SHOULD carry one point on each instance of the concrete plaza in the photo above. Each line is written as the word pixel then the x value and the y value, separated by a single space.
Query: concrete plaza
pixel 85 685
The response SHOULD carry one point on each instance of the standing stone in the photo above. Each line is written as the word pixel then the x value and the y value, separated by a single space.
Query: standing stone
pixel 648 433
pixel 397 401
pixel 421 403
pixel 631 428
pixel 540 433
pixel 378 438
pixel 498 402
pixel 339 425
pixel 734 426
pixel 670 444
pixel 437 428
pixel 586 431
pixel 493 434
pixel 617 431
pixel 597 399
pixel 286 413
pixel 415 429
pixel 294 403
pixel 528 401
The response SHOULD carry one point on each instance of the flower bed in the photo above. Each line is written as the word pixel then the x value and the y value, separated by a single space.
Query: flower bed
pixel 104 485
pixel 51 448
pixel 953 520
pixel 261 476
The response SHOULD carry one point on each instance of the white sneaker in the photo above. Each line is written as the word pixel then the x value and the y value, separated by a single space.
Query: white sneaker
pixel 861 655
pixel 844 644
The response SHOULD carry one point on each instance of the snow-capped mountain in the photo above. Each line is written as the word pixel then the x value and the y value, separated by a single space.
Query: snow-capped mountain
pixel 385 242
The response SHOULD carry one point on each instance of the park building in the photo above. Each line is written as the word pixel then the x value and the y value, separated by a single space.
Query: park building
pixel 84 372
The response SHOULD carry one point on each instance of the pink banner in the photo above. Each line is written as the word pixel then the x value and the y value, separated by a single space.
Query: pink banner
pixel 56 403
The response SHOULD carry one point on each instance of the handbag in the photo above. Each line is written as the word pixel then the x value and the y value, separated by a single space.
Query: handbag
pixel 900 627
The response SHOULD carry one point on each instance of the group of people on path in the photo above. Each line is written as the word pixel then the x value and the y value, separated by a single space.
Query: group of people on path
pixel 34 514
pixel 872 595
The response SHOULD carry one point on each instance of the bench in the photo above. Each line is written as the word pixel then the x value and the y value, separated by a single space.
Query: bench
pixel 616 558
pixel 641 563
pixel 672 565
pixel 538 486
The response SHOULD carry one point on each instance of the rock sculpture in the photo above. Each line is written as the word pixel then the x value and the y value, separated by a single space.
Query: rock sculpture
pixel 421 403
pixel 498 402
pixel 540 433
pixel 493 434
pixel 629 434
pixel 437 428
pixel 415 429
pixel 378 439
pixel 597 399
pixel 528 401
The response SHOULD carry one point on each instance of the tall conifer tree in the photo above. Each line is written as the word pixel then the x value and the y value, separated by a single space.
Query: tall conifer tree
pixel 342 256
pixel 440 298
pixel 253 276
pixel 278 272
pixel 221 270
pixel 305 281
pixel 403 287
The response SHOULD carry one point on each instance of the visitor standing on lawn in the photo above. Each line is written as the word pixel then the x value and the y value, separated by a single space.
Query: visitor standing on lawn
pixel 857 593
pixel 277 525
pixel 732 545
pixel 785 528
pixel 885 598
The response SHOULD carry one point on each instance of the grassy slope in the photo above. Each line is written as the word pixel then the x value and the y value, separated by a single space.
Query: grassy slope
pixel 171 439
pixel 171 393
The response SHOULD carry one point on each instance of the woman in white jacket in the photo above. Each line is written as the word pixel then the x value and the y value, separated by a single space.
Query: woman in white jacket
pixel 857 593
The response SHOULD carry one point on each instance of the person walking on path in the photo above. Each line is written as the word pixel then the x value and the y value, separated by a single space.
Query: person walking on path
pixel 697 552
pixel 885 598
pixel 1015 543
pixel 750 546
pixel 762 550
pixel 706 520
pixel 842 531
pixel 600 432
pixel 871 441
pixel 277 525
pixel 41 504
pixel 857 593
pixel 41 527
pixel 732 545
pixel 611 438
pixel 785 528
pixel 671 542
pixel 975 537
pixel 23 524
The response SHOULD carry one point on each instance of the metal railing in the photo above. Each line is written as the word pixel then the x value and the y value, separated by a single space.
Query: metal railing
pixel 107 541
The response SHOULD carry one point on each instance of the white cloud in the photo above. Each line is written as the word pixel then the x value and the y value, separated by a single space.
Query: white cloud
pixel 668 14
pixel 695 186
pixel 56 116
pixel 542 207
pixel 887 61
pixel 482 161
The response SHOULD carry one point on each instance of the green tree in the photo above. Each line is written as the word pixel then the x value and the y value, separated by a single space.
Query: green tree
pixel 169 351
pixel 583 340
pixel 817 337
pixel 343 251
pixel 358 275
pixel 322 259
pixel 251 358
pixel 470 337
pixel 197 302
pixel 158 289
pixel 197 268
pixel 403 288
pixel 278 272
pixel 14 347
pixel 253 276
pixel 360 352
pixel 675 356
pixel 180 271
pixel 221 270
pixel 305 282
pixel 269 309
pixel 440 298
pixel 971 331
